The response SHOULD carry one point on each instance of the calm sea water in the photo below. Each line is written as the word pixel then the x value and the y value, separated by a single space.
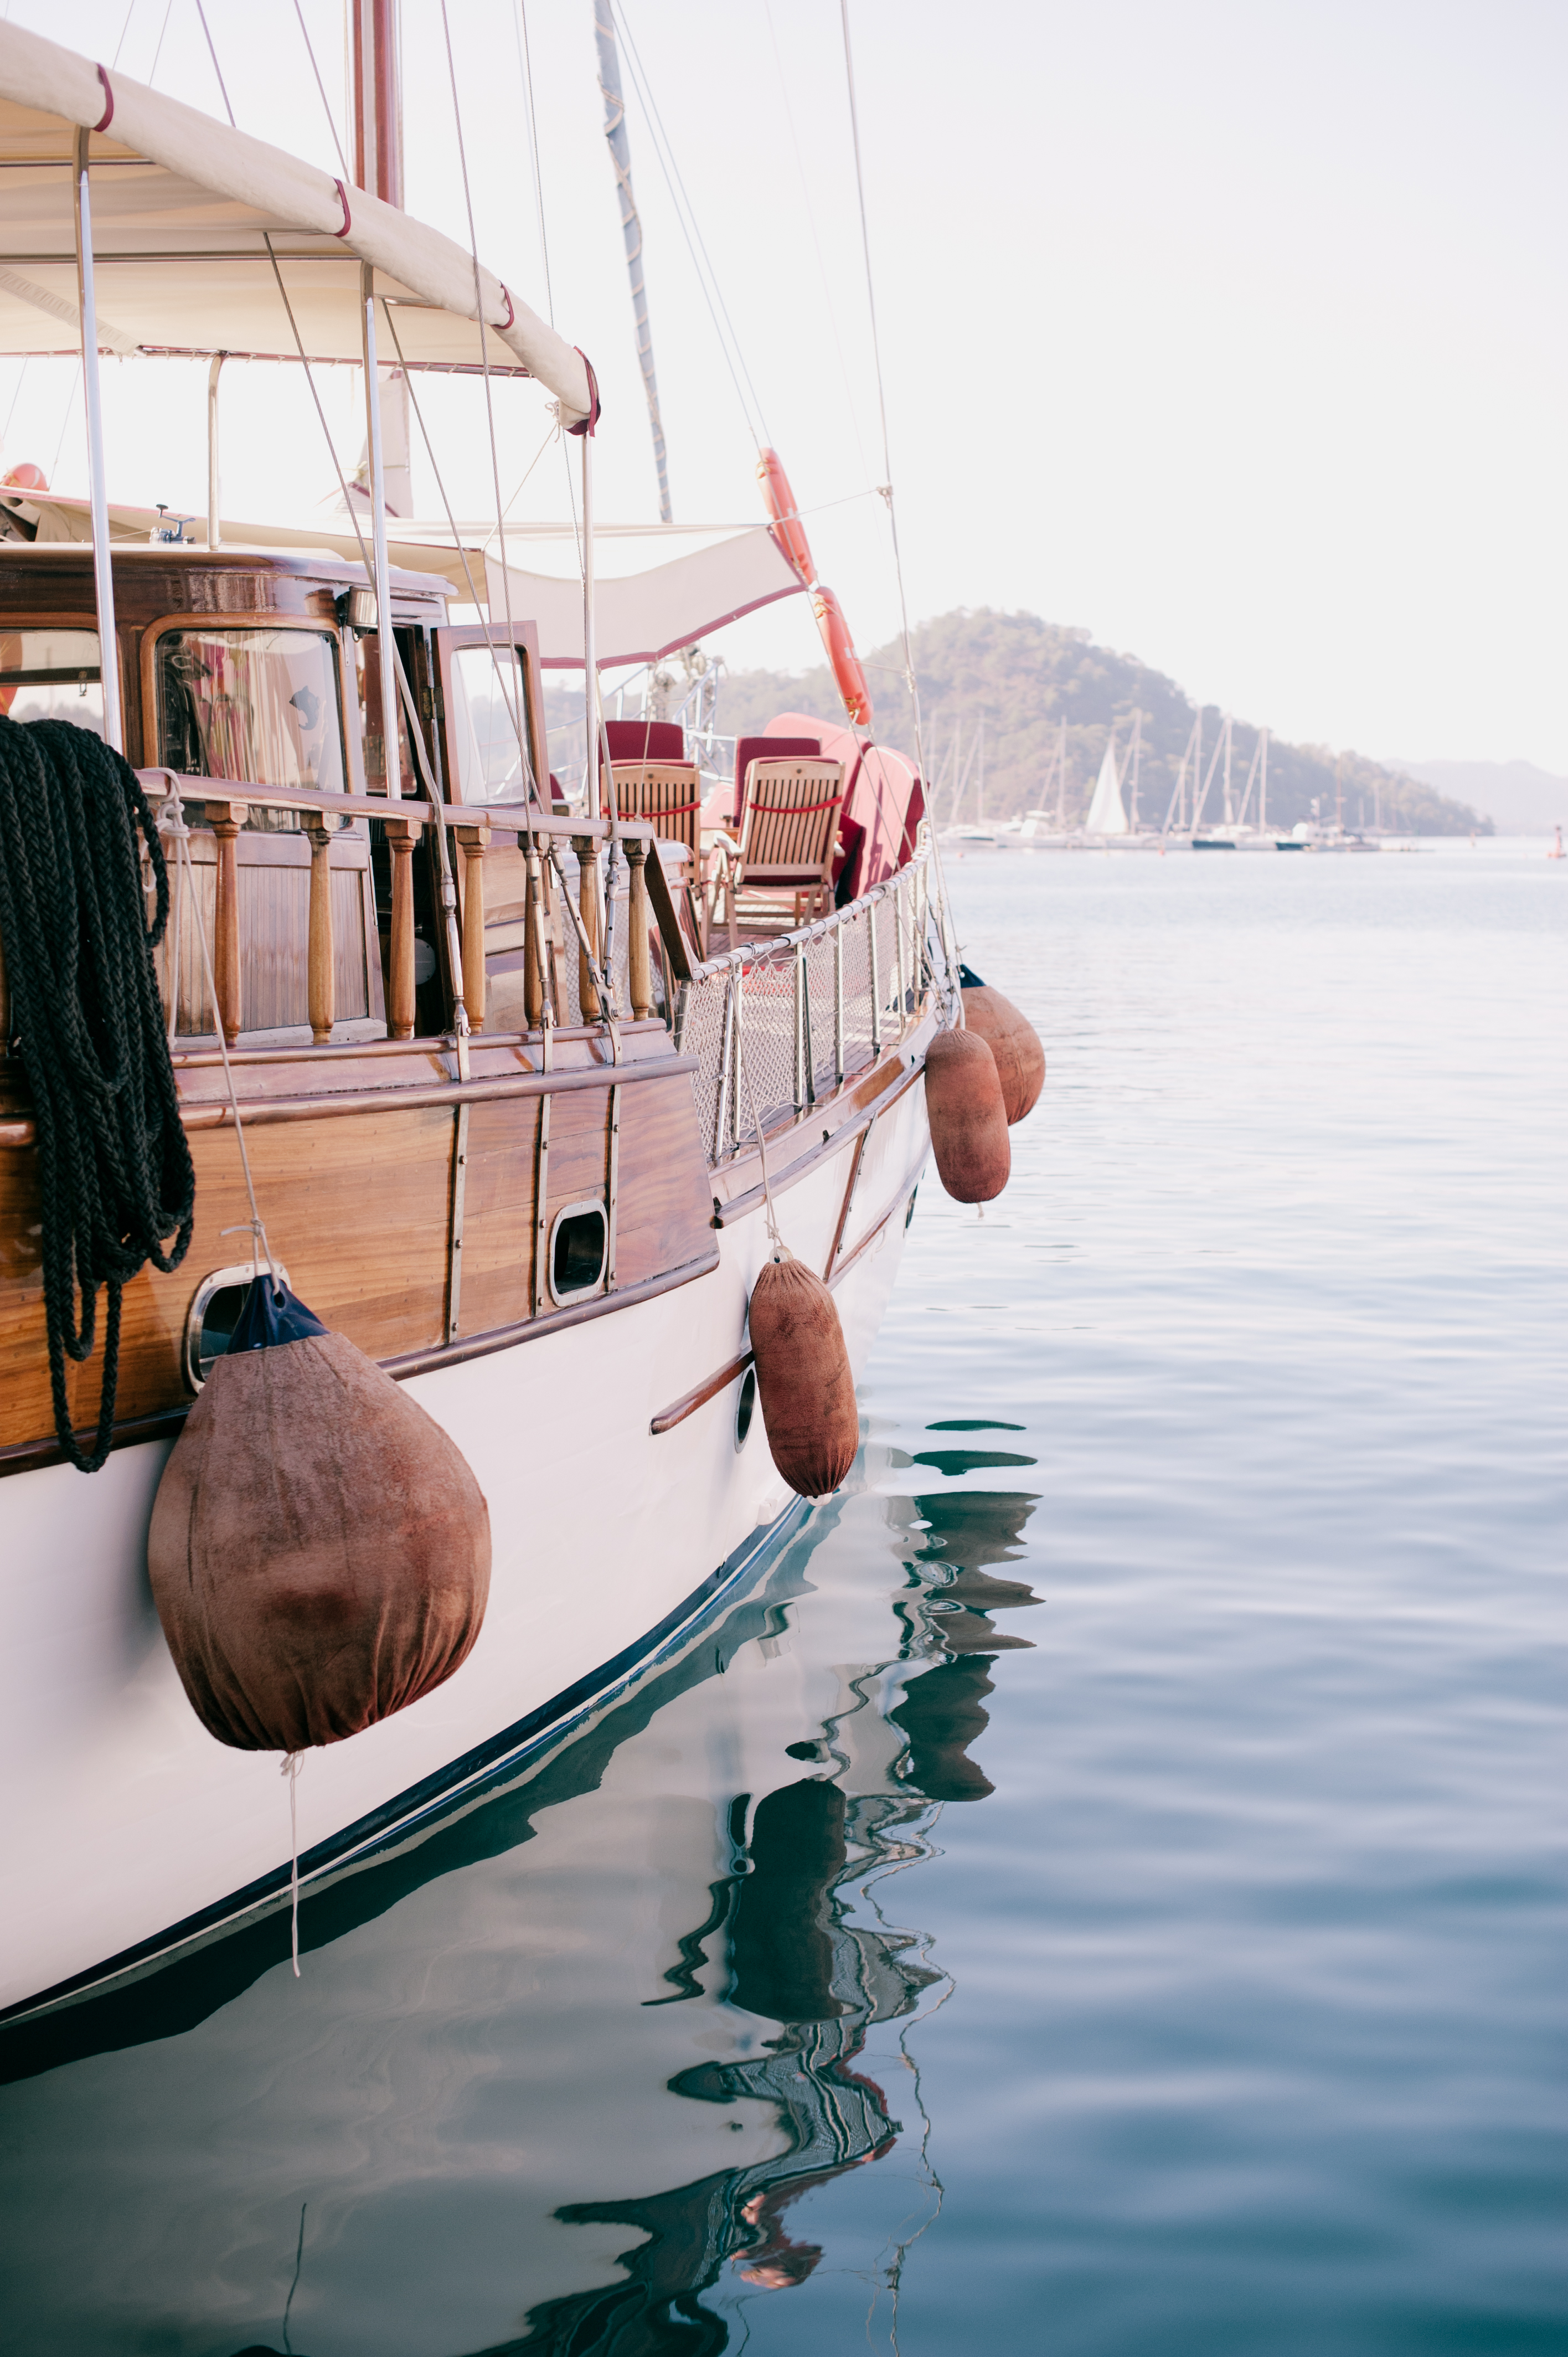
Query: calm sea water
pixel 1153 1940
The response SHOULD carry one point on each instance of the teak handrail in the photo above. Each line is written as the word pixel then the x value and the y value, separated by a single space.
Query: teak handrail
pixel 228 803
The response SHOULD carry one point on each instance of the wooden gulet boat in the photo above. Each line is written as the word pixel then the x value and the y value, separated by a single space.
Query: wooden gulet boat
pixel 501 1112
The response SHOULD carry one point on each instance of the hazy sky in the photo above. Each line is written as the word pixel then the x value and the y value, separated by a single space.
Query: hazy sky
pixel 1235 334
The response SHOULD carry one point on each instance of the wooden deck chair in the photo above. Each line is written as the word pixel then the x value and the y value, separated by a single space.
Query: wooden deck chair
pixel 669 794
pixel 787 834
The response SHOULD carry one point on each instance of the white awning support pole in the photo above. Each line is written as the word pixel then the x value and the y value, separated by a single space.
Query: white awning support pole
pixel 590 645
pixel 214 510
pixel 102 572
pixel 385 643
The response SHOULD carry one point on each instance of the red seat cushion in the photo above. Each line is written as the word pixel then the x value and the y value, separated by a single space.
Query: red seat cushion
pixel 646 740
pixel 769 748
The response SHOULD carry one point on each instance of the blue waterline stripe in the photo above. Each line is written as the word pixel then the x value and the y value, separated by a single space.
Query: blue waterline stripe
pixel 464 1777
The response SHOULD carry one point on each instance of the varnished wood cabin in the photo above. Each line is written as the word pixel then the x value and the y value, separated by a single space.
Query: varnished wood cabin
pixel 431 1202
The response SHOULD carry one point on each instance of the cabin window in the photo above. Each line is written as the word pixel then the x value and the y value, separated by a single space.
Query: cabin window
pixel 368 688
pixel 213 1315
pixel 488 724
pixel 745 1406
pixel 258 706
pixel 577 1250
pixel 51 675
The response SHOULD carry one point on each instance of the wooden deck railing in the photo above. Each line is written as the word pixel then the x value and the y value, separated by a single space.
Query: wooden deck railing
pixel 226 807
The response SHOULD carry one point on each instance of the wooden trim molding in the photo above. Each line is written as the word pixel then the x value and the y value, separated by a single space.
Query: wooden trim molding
pixel 216 1113
pixel 24 1456
pixel 689 1402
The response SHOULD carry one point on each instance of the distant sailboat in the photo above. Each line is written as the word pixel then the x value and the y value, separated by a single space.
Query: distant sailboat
pixel 1106 813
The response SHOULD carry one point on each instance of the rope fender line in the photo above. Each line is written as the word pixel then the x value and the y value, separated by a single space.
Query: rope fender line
pixel 114 1166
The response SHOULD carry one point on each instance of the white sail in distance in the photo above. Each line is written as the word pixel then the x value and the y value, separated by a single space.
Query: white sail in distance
pixel 1106 814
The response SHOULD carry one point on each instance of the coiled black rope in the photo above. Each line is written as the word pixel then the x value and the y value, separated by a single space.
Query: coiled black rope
pixel 114 1169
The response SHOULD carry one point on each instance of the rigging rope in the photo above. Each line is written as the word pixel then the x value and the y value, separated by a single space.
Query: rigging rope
pixel 216 67
pixel 849 401
pixel 114 1168
pixel 685 213
pixel 525 64
pixel 910 681
pixel 485 367
pixel 325 107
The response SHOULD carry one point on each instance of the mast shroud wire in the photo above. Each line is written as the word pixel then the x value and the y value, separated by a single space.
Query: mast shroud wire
pixel 526 63
pixel 816 247
pixel 607 995
pixel 695 245
pixel 910 681
pixel 217 68
pixel 485 366
pixel 389 720
pixel 315 70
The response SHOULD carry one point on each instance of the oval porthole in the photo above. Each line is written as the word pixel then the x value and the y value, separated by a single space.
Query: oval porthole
pixel 910 1212
pixel 745 1406
pixel 578 1237
pixel 213 1315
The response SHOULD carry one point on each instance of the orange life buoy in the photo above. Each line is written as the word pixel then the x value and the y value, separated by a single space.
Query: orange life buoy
pixel 787 530
pixel 845 662
pixel 25 477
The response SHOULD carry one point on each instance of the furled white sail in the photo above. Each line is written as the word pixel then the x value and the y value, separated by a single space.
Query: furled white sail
pixel 1106 816
pixel 183 209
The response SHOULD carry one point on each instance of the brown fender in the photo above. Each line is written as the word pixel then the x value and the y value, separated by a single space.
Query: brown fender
pixel 319 1548
pixel 968 1117
pixel 1015 1044
pixel 803 1378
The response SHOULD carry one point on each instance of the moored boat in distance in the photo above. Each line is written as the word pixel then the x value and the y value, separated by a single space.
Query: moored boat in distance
pixel 519 1091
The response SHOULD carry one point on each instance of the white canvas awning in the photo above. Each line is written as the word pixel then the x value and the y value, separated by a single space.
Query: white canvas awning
pixel 659 586
pixel 182 210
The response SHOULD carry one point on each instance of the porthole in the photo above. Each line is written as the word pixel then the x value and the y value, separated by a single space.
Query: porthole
pixel 578 1238
pixel 213 1315
pixel 910 1212
pixel 745 1406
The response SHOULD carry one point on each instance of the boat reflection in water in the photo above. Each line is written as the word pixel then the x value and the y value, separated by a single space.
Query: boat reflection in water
pixel 666 1959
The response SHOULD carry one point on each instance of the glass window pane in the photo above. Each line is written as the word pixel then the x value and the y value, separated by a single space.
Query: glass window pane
pixel 368 688
pixel 51 675
pixel 488 700
pixel 257 707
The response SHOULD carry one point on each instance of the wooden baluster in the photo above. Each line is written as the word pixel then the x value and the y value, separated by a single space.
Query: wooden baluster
pixel 474 841
pixel 639 964
pixel 534 949
pixel 588 905
pixel 321 974
pixel 403 833
pixel 226 819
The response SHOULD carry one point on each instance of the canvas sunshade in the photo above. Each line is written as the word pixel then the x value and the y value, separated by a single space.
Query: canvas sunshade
pixel 182 206
pixel 659 586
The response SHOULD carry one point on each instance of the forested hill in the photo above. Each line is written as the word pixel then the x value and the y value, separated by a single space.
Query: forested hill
pixel 1026 676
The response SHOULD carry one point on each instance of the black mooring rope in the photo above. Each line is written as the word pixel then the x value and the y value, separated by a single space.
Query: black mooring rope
pixel 114 1169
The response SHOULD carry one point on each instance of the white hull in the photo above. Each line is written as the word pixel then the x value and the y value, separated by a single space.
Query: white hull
pixel 133 1830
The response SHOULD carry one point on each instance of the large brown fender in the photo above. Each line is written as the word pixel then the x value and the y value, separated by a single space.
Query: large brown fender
pixel 1013 1041
pixel 319 1548
pixel 803 1378
pixel 968 1116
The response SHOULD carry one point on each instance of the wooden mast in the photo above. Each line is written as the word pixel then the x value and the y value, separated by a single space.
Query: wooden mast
pixel 378 100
